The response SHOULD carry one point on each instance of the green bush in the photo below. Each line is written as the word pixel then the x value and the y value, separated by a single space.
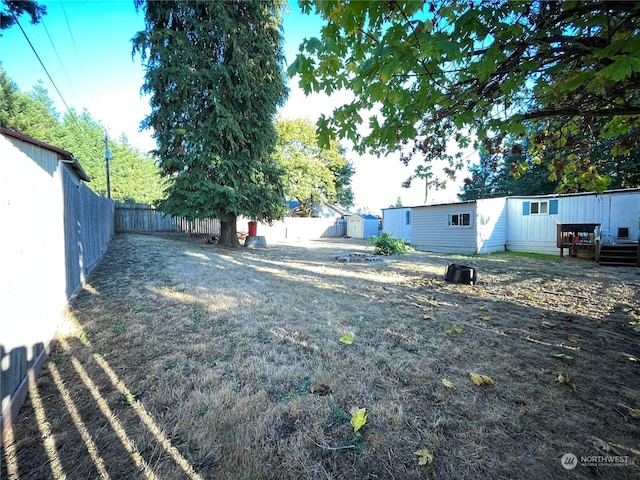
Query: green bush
pixel 387 244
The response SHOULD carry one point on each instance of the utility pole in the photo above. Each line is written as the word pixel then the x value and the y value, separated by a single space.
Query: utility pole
pixel 107 157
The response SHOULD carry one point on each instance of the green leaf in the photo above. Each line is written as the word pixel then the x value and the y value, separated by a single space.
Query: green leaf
pixel 347 339
pixel 563 357
pixel 447 383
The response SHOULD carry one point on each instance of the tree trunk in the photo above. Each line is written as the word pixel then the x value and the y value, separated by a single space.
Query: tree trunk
pixel 228 233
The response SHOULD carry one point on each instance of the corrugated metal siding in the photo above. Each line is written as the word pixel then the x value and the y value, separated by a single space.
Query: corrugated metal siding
pixel 431 232
pixel 394 222
pixel 491 225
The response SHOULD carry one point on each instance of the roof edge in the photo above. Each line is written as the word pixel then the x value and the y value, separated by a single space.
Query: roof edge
pixel 63 155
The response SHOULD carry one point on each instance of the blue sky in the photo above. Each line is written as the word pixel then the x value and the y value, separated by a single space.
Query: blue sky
pixel 86 47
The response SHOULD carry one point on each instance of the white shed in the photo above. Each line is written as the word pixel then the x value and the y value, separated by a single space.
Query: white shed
pixel 362 225
pixel 478 226
pixel 532 221
pixel 397 222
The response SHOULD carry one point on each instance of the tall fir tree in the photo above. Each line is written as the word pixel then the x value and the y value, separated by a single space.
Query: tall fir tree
pixel 215 75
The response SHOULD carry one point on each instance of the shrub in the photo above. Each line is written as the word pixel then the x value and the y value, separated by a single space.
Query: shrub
pixel 387 244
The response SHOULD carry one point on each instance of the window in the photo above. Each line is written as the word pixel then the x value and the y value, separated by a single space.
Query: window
pixel 459 219
pixel 407 219
pixel 540 208
pixel 623 232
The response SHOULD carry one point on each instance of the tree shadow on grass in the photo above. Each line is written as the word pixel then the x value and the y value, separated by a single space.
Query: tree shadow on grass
pixel 176 329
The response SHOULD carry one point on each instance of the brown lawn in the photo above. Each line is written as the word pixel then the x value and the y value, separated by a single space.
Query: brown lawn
pixel 182 360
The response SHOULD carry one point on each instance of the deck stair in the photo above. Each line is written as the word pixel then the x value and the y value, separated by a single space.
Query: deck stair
pixel 620 254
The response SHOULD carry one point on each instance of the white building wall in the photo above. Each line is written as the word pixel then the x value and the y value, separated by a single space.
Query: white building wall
pixel 32 283
pixel 491 225
pixel 394 222
pixel 537 233
pixel 624 211
pixel 431 231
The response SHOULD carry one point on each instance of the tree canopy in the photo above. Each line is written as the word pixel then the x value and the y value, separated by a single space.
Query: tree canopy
pixel 429 74
pixel 312 175
pixel 14 8
pixel 135 177
pixel 215 75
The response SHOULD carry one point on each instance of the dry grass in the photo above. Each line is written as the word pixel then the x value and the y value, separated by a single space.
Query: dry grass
pixel 187 360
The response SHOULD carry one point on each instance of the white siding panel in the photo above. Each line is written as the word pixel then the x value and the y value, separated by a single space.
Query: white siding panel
pixel 491 225
pixel 394 222
pixel 537 233
pixel 625 212
pixel 430 230
pixel 531 233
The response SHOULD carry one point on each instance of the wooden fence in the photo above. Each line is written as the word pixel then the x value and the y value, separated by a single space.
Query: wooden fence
pixel 137 218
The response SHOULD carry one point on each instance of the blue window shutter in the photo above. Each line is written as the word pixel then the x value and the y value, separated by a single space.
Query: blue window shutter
pixel 553 207
pixel 525 208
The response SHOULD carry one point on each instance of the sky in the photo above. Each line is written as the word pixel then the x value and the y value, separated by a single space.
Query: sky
pixel 85 45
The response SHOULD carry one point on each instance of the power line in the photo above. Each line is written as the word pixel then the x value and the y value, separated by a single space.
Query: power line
pixel 64 70
pixel 45 70
pixel 73 41
pixel 69 110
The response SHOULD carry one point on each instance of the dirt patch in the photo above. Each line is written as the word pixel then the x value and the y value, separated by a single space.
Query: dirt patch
pixel 187 360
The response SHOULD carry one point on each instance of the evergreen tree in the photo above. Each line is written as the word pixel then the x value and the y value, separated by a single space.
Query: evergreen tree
pixel 214 72
pixel 135 177
pixel 15 8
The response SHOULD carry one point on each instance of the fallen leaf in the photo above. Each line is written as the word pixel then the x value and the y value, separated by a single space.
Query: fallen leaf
pixel 563 357
pixel 548 325
pixel 635 412
pixel 563 379
pixel 347 339
pixel 481 379
pixel 447 383
pixel 486 319
pixel 425 457
pixel 358 417
pixel 575 339
pixel 523 411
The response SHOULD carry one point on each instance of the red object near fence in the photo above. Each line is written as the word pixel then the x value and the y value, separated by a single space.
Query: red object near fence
pixel 253 229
